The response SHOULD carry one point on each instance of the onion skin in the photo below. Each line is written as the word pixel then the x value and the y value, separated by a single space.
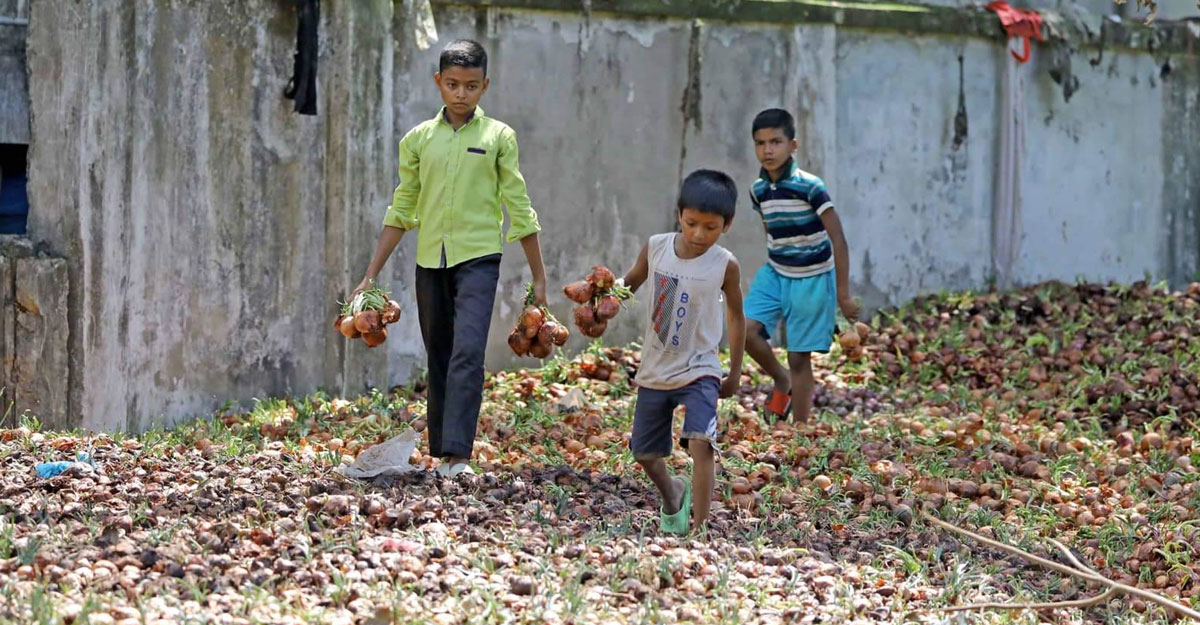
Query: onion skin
pixel 367 322
pixel 531 321
pixel 602 277
pixel 519 344
pixel 607 307
pixel 546 333
pixel 374 339
pixel 391 312
pixel 561 334
pixel 584 316
pixel 579 292
pixel 540 350
pixel 594 330
pixel 348 330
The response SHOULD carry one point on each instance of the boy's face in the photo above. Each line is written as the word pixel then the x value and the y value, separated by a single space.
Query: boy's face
pixel 772 148
pixel 461 88
pixel 701 230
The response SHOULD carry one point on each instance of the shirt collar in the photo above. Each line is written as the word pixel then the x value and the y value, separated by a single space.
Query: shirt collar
pixel 789 168
pixel 476 114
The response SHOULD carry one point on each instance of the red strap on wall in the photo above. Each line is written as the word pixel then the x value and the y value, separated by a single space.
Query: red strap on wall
pixel 1023 23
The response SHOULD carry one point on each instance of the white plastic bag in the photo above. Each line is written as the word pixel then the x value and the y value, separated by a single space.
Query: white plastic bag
pixel 385 459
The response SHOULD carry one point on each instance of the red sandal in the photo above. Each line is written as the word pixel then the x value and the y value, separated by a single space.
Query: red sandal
pixel 780 404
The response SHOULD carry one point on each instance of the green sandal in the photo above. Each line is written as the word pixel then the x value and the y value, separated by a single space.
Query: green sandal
pixel 678 523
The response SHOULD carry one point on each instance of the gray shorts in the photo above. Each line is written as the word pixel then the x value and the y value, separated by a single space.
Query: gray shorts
pixel 653 416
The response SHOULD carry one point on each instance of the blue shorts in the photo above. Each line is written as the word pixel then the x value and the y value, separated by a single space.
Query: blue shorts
pixel 655 412
pixel 808 307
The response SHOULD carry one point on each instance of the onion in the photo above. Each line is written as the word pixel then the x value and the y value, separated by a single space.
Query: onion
pixel 517 341
pixel 391 312
pixel 531 321
pixel 849 339
pixel 540 350
pixel 607 307
pixel 579 292
pixel 602 277
pixel 584 316
pixel 594 330
pixel 367 322
pixel 546 333
pixel 561 334
pixel 375 338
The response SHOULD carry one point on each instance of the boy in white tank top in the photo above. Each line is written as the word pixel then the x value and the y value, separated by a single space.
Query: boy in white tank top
pixel 694 281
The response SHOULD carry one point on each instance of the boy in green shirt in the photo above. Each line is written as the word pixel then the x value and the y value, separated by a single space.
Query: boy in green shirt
pixel 455 170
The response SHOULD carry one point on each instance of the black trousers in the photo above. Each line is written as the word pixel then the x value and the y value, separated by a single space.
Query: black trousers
pixel 455 310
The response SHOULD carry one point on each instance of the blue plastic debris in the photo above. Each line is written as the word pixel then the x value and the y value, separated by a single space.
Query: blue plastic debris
pixel 83 460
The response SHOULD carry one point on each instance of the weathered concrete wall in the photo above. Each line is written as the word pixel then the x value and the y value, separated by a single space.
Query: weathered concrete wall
pixel 1167 9
pixel 17 9
pixel 1108 221
pixel 208 229
pixel 1180 128
pixel 14 93
pixel 8 329
pixel 40 338
pixel 917 209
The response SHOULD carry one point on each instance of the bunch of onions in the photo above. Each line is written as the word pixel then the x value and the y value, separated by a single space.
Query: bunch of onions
pixel 537 331
pixel 852 340
pixel 599 299
pixel 367 316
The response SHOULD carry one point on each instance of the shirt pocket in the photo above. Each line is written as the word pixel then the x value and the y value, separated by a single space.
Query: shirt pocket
pixel 477 160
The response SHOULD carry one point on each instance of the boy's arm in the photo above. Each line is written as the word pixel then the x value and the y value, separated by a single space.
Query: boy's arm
pixel 388 240
pixel 758 209
pixel 533 254
pixel 641 268
pixel 401 214
pixel 841 262
pixel 736 321
pixel 523 222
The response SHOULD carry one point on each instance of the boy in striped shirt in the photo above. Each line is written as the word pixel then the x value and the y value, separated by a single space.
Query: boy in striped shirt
pixel 807 275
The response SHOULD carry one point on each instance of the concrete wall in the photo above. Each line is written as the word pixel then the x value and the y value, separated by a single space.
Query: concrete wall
pixel 1166 10
pixel 208 229
pixel 14 96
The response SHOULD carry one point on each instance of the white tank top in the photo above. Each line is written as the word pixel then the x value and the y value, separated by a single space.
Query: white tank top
pixel 685 318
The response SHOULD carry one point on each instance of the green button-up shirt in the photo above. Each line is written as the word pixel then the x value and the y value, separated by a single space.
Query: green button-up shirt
pixel 451 185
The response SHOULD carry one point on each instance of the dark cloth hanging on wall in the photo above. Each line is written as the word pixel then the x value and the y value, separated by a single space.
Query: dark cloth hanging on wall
pixel 303 86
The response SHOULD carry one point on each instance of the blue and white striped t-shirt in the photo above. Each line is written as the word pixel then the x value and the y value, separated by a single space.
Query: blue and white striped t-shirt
pixel 791 207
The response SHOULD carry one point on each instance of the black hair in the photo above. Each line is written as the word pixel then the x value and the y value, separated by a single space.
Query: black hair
pixel 463 53
pixel 775 118
pixel 708 191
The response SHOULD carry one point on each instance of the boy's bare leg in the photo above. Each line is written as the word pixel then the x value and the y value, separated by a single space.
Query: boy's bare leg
pixel 760 350
pixel 669 488
pixel 803 383
pixel 703 476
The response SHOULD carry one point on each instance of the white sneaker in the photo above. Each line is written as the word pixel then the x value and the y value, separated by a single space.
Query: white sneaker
pixel 451 470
